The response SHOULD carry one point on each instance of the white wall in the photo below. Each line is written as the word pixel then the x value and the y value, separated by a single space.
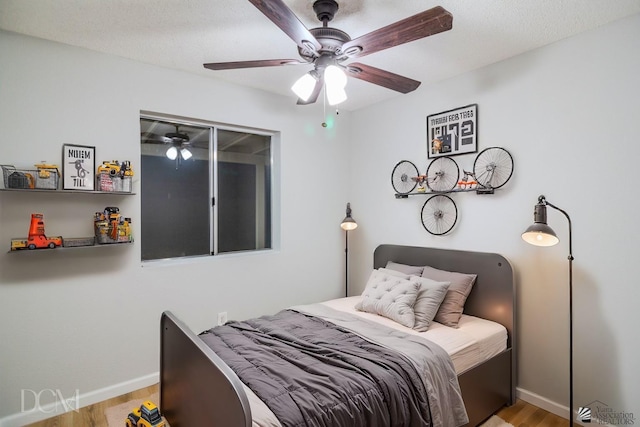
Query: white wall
pixel 569 114
pixel 87 319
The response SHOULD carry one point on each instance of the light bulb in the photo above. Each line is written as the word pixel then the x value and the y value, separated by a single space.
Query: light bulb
pixel 186 154
pixel 172 153
pixel 304 86
pixel 335 80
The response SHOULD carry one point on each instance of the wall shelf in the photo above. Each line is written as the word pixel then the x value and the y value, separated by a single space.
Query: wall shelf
pixel 65 248
pixel 42 190
pixel 457 190
pixel 57 193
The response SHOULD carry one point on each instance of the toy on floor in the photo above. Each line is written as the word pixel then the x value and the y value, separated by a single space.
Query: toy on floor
pixel 147 415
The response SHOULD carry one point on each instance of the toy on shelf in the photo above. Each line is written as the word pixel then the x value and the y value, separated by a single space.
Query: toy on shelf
pixel 115 176
pixel 36 239
pixel 44 176
pixel 421 181
pixel 468 181
pixel 48 175
pixel 147 415
pixel 111 227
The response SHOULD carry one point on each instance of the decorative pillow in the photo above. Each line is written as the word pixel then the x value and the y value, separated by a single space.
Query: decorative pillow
pixel 430 296
pixel 391 297
pixel 411 270
pixel 452 306
pixel 394 273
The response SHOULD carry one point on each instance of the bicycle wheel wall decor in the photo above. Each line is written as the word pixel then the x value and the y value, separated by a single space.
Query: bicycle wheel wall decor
pixel 492 169
pixel 403 177
pixel 439 214
pixel 442 174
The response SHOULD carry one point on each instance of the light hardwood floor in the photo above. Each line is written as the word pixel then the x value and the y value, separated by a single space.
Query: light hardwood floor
pixel 522 414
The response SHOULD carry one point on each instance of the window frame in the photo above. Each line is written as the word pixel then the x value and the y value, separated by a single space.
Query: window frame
pixel 214 127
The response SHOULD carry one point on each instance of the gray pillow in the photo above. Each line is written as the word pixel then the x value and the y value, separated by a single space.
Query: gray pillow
pixel 430 296
pixel 452 306
pixel 394 273
pixel 391 297
pixel 411 270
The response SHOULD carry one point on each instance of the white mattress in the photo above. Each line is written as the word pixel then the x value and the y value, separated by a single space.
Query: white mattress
pixel 473 342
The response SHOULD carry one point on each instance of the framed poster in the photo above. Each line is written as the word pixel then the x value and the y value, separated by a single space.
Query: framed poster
pixel 453 132
pixel 78 167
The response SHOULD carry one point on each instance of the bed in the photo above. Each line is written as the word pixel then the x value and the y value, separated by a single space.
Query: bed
pixel 197 388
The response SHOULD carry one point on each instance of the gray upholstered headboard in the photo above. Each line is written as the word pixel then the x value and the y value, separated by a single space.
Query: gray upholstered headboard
pixel 492 297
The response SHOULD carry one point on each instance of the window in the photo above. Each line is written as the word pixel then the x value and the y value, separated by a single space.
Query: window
pixel 205 189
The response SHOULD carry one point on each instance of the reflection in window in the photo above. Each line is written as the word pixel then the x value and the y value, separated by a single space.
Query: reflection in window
pixel 195 203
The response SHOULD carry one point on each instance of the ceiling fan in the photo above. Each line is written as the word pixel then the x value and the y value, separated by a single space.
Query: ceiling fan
pixel 327 48
pixel 179 141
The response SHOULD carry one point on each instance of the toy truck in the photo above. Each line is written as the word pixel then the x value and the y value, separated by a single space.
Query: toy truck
pixel 147 415
pixel 115 168
pixel 36 239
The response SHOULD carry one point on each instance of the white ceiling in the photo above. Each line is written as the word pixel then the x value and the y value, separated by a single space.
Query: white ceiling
pixel 184 34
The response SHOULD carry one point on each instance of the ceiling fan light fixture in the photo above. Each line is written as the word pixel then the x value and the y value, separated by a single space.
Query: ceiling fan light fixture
pixel 172 153
pixel 335 81
pixel 303 87
pixel 336 96
pixel 185 153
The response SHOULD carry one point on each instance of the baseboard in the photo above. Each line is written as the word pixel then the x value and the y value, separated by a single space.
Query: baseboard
pixel 544 403
pixel 85 399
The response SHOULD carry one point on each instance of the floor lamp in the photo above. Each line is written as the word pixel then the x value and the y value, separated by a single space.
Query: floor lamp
pixel 540 234
pixel 348 224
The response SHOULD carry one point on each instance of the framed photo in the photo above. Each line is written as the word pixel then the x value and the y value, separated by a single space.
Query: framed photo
pixel 78 167
pixel 453 132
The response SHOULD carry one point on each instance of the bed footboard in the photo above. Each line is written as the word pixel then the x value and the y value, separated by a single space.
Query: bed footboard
pixel 196 387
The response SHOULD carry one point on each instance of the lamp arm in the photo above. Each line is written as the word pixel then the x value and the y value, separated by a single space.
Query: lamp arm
pixel 542 199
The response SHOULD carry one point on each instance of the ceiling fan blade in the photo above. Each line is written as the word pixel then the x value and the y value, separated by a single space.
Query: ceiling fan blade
pixel 382 78
pixel 252 64
pixel 424 24
pixel 314 95
pixel 287 21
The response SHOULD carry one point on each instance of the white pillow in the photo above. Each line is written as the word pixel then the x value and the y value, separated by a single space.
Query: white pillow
pixel 430 296
pixel 391 297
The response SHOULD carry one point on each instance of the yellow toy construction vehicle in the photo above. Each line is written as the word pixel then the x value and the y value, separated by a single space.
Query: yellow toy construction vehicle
pixel 45 169
pixel 147 415
pixel 115 168
pixel 111 167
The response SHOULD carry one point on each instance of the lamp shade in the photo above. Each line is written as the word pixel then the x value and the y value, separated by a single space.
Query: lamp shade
pixel 172 153
pixel 303 87
pixel 335 81
pixel 540 234
pixel 348 223
pixel 185 153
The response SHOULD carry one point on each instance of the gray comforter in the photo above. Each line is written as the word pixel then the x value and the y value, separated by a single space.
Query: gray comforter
pixel 312 366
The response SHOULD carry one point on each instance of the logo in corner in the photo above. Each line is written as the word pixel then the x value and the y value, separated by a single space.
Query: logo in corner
pixel 584 414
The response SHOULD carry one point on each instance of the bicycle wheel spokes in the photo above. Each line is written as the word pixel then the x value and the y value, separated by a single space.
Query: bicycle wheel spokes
pixel 401 177
pixel 439 215
pixel 493 167
pixel 442 174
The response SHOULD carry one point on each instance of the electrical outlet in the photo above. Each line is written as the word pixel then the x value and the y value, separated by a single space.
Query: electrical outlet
pixel 222 318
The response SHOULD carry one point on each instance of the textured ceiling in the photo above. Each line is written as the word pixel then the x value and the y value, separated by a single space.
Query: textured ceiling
pixel 184 34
